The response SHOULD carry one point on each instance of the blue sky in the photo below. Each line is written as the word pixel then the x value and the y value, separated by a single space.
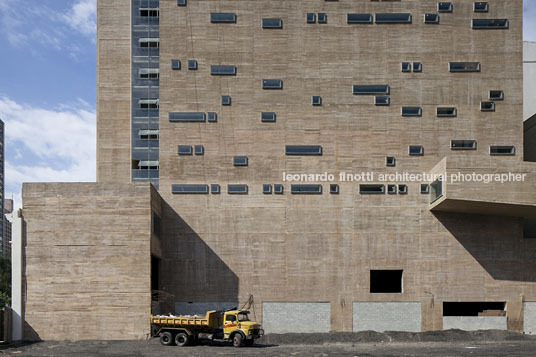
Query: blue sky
pixel 48 93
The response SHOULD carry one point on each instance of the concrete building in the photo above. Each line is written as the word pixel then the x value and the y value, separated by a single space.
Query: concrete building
pixel 4 240
pixel 216 103
pixel 529 83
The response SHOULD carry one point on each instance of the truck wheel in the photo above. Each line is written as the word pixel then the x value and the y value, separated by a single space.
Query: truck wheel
pixel 166 339
pixel 237 340
pixel 181 339
pixel 249 343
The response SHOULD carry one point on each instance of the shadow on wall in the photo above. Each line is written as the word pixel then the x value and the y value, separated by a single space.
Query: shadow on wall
pixel 496 242
pixel 191 276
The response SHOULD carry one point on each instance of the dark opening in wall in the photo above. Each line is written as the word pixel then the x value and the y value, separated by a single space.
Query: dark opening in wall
pixel 474 308
pixel 529 228
pixel 386 281
pixel 155 273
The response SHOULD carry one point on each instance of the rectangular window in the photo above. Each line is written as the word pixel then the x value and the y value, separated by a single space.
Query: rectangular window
pixel 406 66
pixel 391 189
pixel 393 18
pixel 149 73
pixel 425 188
pixel 496 95
pixel 192 64
pixel 322 18
pixel 436 190
pixel 145 165
pixel 306 189
pixel 382 100
pixel 149 42
pixel 317 100
pixel 278 189
pixel 150 134
pixel 266 189
pixel 502 150
pixel 463 144
pixel 444 6
pixel 186 117
pixel 303 150
pixel 189 189
pixel 268 117
pixel 417 67
pixel 480 6
pixel 215 188
pixel 490 24
pixel 272 84
pixel 390 161
pixel 272 23
pixel 220 70
pixel 411 111
pixel 431 18
pixel 149 11
pixel 237 189
pixel 156 223
pixel 199 150
pixel 464 66
pixel 359 19
pixel 371 189
pixel 446 112
pixel 416 150
pixel 486 106
pixel 334 189
pixel 240 161
pixel 185 149
pixel 370 89
pixel 225 100
pixel 222 17
pixel 182 2
pixel 403 189
pixel 151 103
pixel 529 228
pixel 175 64
pixel 386 281
pixel 474 308
pixel 311 18
pixel 212 117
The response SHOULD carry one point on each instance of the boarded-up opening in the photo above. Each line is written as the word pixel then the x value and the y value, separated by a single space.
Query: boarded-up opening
pixel 386 281
pixel 474 308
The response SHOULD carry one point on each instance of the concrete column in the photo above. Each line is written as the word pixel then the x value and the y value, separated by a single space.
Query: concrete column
pixel 16 275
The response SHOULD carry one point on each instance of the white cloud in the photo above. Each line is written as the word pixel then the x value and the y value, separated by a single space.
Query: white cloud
pixel 83 17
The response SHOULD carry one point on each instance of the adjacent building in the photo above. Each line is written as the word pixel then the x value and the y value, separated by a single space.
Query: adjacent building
pixel 6 241
pixel 218 127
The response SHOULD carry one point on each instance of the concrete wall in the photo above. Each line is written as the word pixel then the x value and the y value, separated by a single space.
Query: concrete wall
pixel 87 261
pixel 529 317
pixel 530 139
pixel 200 308
pixel 387 316
pixel 302 317
pixel 474 323
pixel 529 79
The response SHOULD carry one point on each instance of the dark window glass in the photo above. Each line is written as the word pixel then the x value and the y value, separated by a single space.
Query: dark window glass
pixel 185 150
pixel 444 6
pixel 303 150
pixel 371 189
pixel 417 67
pixel 529 228
pixel 402 189
pixel 181 2
pixel 225 100
pixel 487 106
pixel 390 161
pixel 431 18
pixel 393 18
pixel 240 161
pixel 266 188
pixel 231 318
pixel 311 18
pixel 425 188
pixel 272 84
pixel 463 144
pixel 175 64
pixel 272 23
pixel 406 66
pixel 464 66
pixel 215 188
pixel 481 6
pixel 391 189
pixel 385 281
pixel 436 190
pixel 416 150
pixel 306 189
pixel 151 103
pixel 446 111
pixel 370 89
pixel 189 188
pixel 473 308
pixel 186 117
pixel 237 189
pixel 382 100
pixel 217 17
pixel 149 12
pixel 199 149
pixel 411 111
pixel 212 117
pixel 268 116
pixel 192 64
pixel 498 150
pixel 496 95
pixel 278 189
pixel 359 18
pixel 334 189
pixel 222 70
pixel 317 100
pixel 490 24
pixel 322 18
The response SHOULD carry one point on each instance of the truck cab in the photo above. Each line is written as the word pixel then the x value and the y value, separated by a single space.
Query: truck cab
pixel 238 328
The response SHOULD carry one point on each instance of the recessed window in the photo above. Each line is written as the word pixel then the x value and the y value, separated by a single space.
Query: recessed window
pixel 186 117
pixel 181 2
pixel 237 189
pixel 406 66
pixel 480 6
pixel 529 228
pixel 359 18
pixel 487 106
pixel 385 281
pixel 317 100
pixel 417 67
pixel 225 100
pixel 189 189
pixel 403 189
pixel 240 161
pixel 150 134
pixel 463 144
pixel 431 18
pixel 145 165
pixel 199 150
pixel 445 6
pixel 149 73
pixel 425 188
pixel 496 95
pixel 303 150
pixel 370 89
pixel 215 188
pixel 473 308
pixel 322 18
pixel 393 18
pixel 382 100
pixel 175 64
pixel 149 12
pixel 334 189
pixel 416 150
pixel 185 149
pixel 411 111
pixel 464 66
pixel 192 64
pixel 446 112
pixel 371 189
pixel 306 189
pixel 150 103
pixel 278 189
pixel 220 70
pixel 436 190
pixel 311 18
pixel 390 161
pixel 223 17
pixel 266 189
pixel 272 84
pixel 391 189
pixel 268 117
pixel 149 42
pixel 272 23
pixel 212 117
pixel 490 24
pixel 502 150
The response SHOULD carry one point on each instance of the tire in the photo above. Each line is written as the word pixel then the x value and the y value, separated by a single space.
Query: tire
pixel 237 340
pixel 181 339
pixel 166 338
pixel 249 343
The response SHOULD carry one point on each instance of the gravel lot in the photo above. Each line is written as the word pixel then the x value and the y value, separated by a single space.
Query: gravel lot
pixel 447 343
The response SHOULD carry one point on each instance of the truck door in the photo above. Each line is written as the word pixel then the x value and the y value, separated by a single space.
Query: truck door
pixel 229 325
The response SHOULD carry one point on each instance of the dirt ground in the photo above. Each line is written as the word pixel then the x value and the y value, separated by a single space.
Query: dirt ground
pixel 445 343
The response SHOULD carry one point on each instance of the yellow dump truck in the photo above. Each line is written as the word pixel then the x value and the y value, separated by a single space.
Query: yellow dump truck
pixel 233 325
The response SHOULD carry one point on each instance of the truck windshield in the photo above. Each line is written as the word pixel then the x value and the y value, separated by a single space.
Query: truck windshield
pixel 243 317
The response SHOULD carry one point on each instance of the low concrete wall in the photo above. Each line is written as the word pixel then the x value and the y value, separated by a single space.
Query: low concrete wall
pixel 473 323
pixel 529 318
pixel 387 316
pixel 301 317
